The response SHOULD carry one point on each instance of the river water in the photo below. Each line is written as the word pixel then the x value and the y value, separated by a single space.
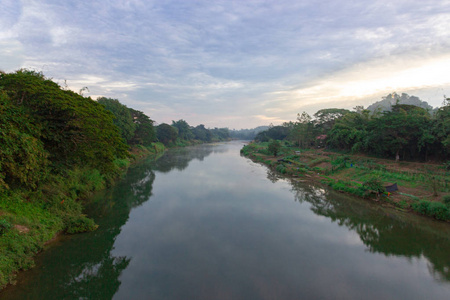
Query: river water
pixel 206 223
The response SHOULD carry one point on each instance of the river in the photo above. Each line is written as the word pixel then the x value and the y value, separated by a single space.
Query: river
pixel 205 223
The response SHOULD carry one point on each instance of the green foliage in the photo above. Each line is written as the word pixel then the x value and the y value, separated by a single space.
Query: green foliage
pixel 80 223
pixel 403 204
pixel 5 226
pixel 123 117
pixel 166 133
pixel 145 132
pixel 23 159
pixel 340 162
pixel 184 130
pixel 281 169
pixel 325 118
pixel 56 147
pixel 436 210
pixel 274 132
pixel 73 130
pixel 446 199
pixel 374 185
pixel 158 147
pixel 274 147
pixel 347 187
pixel 202 134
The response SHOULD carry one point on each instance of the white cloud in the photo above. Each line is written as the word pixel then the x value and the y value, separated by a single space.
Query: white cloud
pixel 223 60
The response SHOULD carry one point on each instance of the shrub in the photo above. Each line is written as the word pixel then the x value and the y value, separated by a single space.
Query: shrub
pixel 433 209
pixel 446 199
pixel 281 168
pixel 78 224
pixel 403 204
pixel 374 185
pixel 274 147
pixel 5 226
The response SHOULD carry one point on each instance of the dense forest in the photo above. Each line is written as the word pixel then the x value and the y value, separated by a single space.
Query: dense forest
pixel 402 132
pixel 57 147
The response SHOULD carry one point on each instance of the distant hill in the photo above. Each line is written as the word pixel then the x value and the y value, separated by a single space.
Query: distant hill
pixel 386 103
pixel 247 134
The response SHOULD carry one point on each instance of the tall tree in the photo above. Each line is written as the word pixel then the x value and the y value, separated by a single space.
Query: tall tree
pixel 325 118
pixel 184 130
pixel 145 132
pixel 166 133
pixel 123 118
pixel 303 130
pixel 74 130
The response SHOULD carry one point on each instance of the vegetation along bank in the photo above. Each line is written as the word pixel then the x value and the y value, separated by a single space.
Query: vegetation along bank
pixel 398 157
pixel 57 148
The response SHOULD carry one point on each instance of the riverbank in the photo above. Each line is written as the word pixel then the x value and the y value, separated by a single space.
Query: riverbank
pixel 421 188
pixel 30 219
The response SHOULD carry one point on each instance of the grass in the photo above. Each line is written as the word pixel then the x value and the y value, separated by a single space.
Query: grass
pixel 366 177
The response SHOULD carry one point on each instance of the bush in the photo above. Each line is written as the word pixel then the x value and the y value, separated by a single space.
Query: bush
pixel 274 147
pixel 374 185
pixel 281 168
pixel 5 226
pixel 436 210
pixel 78 224
pixel 446 199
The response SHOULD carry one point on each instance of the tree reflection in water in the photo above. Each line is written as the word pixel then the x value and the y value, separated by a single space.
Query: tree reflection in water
pixel 86 267
pixel 382 230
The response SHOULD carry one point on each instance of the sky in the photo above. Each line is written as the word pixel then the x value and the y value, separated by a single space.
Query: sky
pixel 236 64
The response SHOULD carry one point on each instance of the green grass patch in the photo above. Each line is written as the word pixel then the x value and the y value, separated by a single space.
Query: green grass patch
pixel 436 210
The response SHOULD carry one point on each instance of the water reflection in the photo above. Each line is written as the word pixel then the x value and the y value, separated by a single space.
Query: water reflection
pixel 179 159
pixel 221 230
pixel 382 231
pixel 86 268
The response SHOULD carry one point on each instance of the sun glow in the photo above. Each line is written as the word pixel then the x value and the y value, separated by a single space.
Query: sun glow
pixel 373 78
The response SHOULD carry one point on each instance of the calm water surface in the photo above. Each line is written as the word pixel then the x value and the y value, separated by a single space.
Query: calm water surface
pixel 205 223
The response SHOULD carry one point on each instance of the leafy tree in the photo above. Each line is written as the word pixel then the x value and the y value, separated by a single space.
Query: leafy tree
pixel 184 130
pixel 350 131
pixel 400 131
pixel 325 118
pixel 303 130
pixel 201 133
pixel 274 132
pixel 145 132
pixel 441 129
pixel 220 134
pixel 74 130
pixel 123 116
pixel 166 133
pixel 23 159
pixel 274 147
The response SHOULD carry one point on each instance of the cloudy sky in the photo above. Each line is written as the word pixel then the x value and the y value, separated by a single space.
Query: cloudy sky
pixel 236 64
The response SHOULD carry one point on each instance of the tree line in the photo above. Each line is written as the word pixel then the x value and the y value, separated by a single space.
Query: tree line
pixel 46 129
pixel 406 132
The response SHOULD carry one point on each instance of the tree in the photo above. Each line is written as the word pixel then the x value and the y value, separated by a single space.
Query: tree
pixel 274 147
pixel 220 134
pixel 441 128
pixel 166 133
pixel 274 132
pixel 74 130
pixel 145 132
pixel 123 118
pixel 326 118
pixel 201 133
pixel 184 130
pixel 303 130
pixel 23 159
pixel 404 130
